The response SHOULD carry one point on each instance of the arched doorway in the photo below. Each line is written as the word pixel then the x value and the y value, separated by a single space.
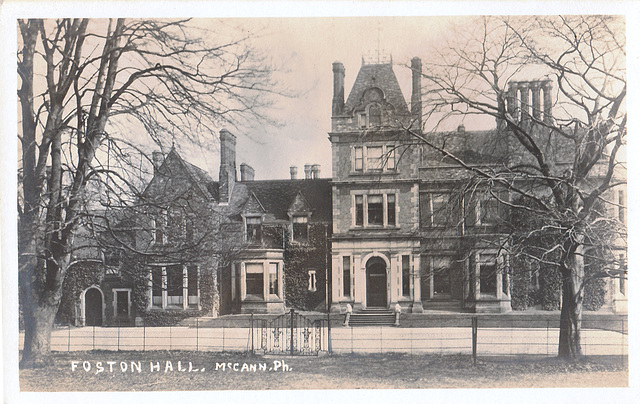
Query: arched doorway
pixel 376 282
pixel 93 307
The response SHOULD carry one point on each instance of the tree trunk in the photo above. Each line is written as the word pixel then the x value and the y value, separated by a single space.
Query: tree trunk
pixel 572 271
pixel 38 322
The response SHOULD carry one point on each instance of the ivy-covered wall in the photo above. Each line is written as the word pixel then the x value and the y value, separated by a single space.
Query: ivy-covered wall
pixel 299 259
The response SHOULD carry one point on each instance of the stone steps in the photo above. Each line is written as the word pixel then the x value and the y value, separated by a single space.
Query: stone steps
pixel 373 318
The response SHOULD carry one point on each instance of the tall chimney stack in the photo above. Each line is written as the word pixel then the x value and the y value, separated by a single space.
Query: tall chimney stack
pixel 247 173
pixel 293 170
pixel 228 174
pixel 307 171
pixel 416 90
pixel 337 107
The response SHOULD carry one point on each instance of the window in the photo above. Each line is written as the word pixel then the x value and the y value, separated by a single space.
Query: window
pixel 346 276
pixel 489 211
pixel 374 158
pixel 390 157
pixel 359 210
pixel 156 285
pixel 192 280
pixel 175 284
pixel 488 274
pixel 112 262
pixel 255 280
pixel 406 276
pixel 375 115
pixel 440 210
pixel 122 303
pixel 391 210
pixel 623 275
pixel 253 229
pixel 312 281
pixel 273 279
pixel 375 210
pixel 358 159
pixel 300 229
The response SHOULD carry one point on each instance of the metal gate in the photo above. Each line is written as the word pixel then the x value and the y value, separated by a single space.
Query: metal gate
pixel 293 334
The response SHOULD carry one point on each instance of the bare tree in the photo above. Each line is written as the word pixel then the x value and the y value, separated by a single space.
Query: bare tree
pixel 87 85
pixel 556 88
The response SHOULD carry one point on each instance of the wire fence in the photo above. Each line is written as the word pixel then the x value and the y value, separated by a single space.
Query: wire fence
pixel 475 335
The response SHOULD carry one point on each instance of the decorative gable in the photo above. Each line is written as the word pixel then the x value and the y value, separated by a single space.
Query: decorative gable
pixel 253 206
pixel 299 205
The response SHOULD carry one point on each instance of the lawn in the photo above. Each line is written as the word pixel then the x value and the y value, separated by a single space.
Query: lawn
pixel 183 370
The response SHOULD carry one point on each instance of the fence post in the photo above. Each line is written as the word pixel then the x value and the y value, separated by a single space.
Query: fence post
pixel 170 341
pixel 328 331
pixel 69 340
pixel 118 339
pixel 144 335
pixel 93 339
pixel 197 336
pixel 291 330
pixel 547 337
pixel 223 339
pixel 474 338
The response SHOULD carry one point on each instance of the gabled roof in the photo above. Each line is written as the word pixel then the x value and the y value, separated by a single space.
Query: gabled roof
pixel 382 77
pixel 299 204
pixel 278 196
pixel 199 179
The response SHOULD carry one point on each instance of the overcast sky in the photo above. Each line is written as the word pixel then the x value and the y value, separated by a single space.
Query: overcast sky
pixel 306 48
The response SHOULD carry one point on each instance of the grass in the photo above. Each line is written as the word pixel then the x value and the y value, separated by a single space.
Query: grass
pixel 378 371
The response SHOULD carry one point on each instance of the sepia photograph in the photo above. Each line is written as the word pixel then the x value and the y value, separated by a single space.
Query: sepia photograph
pixel 308 203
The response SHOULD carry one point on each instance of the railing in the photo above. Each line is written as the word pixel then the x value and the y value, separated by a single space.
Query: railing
pixel 477 336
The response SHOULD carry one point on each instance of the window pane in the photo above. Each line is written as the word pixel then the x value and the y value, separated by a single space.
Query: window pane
pixel 440 209
pixel 254 229
pixel 273 279
pixel 487 274
pixel 374 209
pixel 391 157
pixel 406 273
pixel 489 212
pixel 122 302
pixel 300 229
pixel 346 276
pixel 359 210
pixel 441 275
pixel 156 281
pixel 375 115
pixel 174 280
pixel 192 281
pixel 255 284
pixel 358 159
pixel 374 158
pixel 391 210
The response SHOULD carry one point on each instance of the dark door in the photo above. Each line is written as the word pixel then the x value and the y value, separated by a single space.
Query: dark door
pixel 93 307
pixel 122 304
pixel 376 283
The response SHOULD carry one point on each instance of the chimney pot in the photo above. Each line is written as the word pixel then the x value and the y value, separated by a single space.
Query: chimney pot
pixel 307 171
pixel 293 170
pixel 461 128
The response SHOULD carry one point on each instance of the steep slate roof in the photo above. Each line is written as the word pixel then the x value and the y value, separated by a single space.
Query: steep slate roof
pixel 199 178
pixel 383 77
pixel 277 196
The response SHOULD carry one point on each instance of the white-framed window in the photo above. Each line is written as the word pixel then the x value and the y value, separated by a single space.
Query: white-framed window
pixel 346 276
pixel 255 279
pixel 274 288
pixel 406 275
pixel 312 281
pixel 488 269
pixel 439 209
pixel 300 229
pixel 121 303
pixel 374 158
pixel 375 210
pixel 253 229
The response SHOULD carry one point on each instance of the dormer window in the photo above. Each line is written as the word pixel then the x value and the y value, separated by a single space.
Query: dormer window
pixel 253 229
pixel 300 229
